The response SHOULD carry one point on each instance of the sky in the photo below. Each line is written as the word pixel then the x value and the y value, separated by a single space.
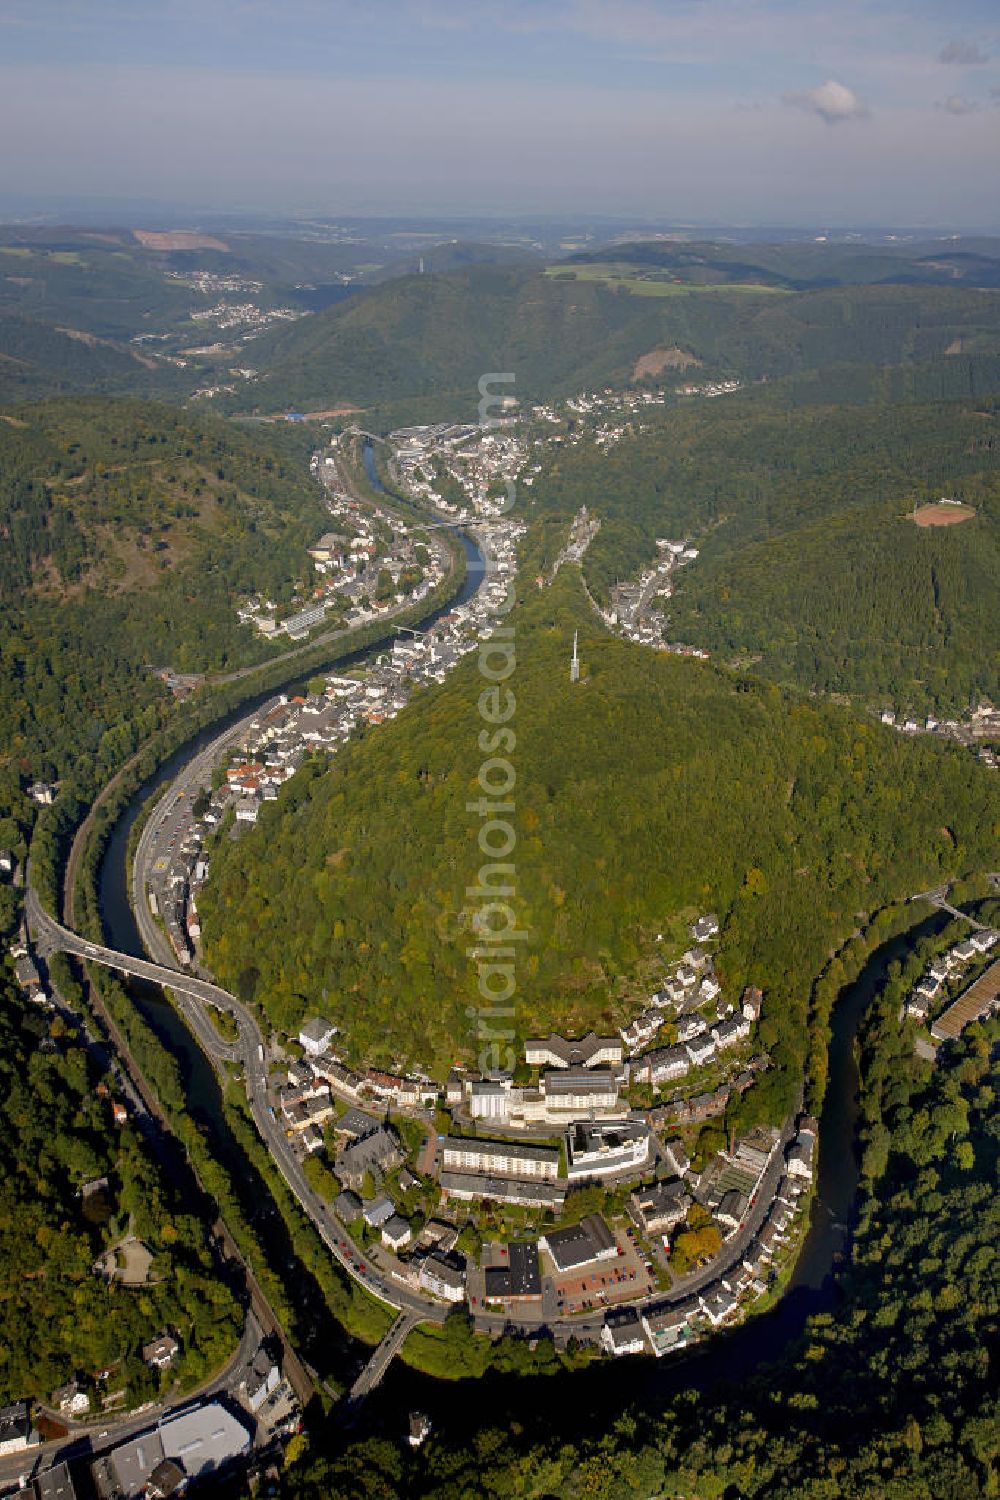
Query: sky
pixel 852 112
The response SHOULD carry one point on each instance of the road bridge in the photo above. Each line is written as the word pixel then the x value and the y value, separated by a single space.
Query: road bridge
pixel 382 1358
pixel 51 937
pixel 938 896
pixel 247 1052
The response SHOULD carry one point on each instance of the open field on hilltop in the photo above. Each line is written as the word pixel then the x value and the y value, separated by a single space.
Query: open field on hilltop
pixel 643 283
pixel 942 515
pixel 177 239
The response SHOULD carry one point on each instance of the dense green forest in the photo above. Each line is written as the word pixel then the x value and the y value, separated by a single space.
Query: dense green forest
pixel 131 533
pixel 89 486
pixel 890 1394
pixel 113 290
pixel 37 360
pixel 61 1319
pixel 655 789
pixel 413 349
pixel 808 563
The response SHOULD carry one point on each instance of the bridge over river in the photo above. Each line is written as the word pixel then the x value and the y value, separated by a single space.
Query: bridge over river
pixel 192 994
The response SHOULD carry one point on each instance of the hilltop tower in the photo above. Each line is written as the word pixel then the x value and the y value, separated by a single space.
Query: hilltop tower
pixel 574 666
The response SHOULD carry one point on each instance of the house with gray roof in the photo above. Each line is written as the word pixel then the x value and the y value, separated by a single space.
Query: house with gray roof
pixel 396 1233
pixel 657 1209
pixel 377 1152
pixel 559 1052
pixel 378 1211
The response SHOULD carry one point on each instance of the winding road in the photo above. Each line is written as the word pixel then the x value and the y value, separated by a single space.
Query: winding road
pixel 247 1052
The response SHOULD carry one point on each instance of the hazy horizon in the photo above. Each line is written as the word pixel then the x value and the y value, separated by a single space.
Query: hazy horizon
pixel 713 112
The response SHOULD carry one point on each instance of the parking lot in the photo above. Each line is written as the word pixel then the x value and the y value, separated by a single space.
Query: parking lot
pixel 604 1283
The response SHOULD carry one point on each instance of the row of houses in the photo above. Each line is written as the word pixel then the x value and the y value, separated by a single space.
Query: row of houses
pixel 367 543
pixel 288 729
pixel 933 984
pixel 670 1325
pixel 979 1000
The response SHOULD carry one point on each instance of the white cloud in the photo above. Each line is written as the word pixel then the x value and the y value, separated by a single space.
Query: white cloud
pixel 957 104
pixel 832 101
pixel 963 54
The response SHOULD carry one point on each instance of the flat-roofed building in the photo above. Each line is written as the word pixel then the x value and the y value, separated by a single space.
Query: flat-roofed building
pixel 580 1091
pixel 580 1244
pixel 472 1186
pixel 600 1148
pixel 499 1157
pixel 517 1276
pixel 204 1439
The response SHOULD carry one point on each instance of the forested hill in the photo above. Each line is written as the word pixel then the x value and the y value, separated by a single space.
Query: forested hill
pixel 72 1186
pixel 804 266
pixel 654 789
pixel 810 564
pixel 118 496
pixel 130 533
pixel 416 346
pixel 37 360
pixel 424 341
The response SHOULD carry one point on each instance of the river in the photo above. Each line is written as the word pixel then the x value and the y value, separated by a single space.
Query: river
pixel 582 1402
pixel 574 1401
pixel 200 1080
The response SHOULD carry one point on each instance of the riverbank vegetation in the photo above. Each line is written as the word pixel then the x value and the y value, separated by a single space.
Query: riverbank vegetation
pixel 654 789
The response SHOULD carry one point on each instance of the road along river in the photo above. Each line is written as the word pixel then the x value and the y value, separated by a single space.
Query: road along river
pixel 581 1396
pixel 200 1080
pixel 583 1402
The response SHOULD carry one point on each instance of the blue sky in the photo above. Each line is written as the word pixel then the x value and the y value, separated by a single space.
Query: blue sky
pixel 755 111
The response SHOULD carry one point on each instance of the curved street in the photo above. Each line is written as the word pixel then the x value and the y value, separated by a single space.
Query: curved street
pixel 89 1439
pixel 194 993
pixel 248 1053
